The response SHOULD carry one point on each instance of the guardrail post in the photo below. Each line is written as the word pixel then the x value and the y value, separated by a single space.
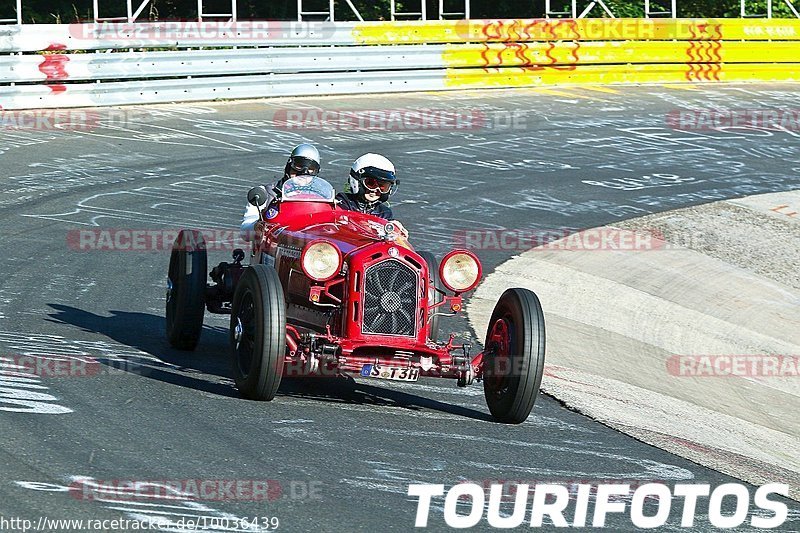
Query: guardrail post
pixel 18 19
pixel 549 13
pixel 790 5
pixel 592 5
pixel 443 13
pixel 202 14
pixel 96 13
pixel 744 14
pixel 130 14
pixel 573 13
pixel 422 13
pixel 329 14
pixel 672 12
pixel 354 10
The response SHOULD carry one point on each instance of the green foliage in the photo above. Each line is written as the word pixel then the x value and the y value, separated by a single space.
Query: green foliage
pixel 65 11
pixel 625 9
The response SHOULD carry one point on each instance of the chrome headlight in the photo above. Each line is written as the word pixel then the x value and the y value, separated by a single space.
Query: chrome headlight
pixel 460 271
pixel 321 260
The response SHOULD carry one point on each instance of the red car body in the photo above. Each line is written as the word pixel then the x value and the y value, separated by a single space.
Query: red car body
pixel 341 307
pixel 331 292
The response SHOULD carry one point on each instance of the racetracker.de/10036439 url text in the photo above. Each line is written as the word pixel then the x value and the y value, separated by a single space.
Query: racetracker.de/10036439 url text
pixel 196 523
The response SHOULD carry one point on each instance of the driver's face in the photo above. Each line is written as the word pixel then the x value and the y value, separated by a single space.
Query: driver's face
pixel 371 196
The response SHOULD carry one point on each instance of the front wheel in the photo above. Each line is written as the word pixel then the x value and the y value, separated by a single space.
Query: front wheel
pixel 258 333
pixel 514 360
pixel 186 290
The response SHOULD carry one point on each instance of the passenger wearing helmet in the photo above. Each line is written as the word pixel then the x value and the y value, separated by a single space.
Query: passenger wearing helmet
pixel 304 160
pixel 372 180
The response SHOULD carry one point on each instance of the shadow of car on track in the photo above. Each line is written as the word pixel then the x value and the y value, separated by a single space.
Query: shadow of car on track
pixel 144 333
pixel 202 368
pixel 349 391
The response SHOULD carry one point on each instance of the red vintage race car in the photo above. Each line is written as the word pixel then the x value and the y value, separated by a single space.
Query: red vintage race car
pixel 336 292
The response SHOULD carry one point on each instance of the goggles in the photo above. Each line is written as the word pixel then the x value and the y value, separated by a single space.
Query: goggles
pixel 304 165
pixel 377 180
pixel 376 185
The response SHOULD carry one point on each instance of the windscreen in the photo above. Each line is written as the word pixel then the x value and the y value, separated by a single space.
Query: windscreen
pixel 307 189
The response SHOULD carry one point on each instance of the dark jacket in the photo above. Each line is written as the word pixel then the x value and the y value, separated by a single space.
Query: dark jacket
pixel 348 201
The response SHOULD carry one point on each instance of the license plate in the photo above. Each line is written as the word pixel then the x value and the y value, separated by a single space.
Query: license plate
pixel 394 373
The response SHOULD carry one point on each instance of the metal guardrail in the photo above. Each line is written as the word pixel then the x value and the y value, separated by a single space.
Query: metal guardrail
pixel 290 85
pixel 127 65
pixel 214 88
pixel 249 60
pixel 195 63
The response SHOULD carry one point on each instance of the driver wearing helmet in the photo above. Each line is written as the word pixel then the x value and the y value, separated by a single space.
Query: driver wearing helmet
pixel 372 180
pixel 304 160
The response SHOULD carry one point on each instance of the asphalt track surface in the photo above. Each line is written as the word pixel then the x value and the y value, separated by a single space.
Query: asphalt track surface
pixel 342 453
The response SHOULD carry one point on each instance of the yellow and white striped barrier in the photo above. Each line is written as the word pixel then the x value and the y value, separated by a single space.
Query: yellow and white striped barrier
pixel 602 74
pixel 617 52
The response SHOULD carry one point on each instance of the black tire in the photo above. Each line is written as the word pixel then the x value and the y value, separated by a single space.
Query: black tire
pixel 258 333
pixel 186 290
pixel 513 367
pixel 433 268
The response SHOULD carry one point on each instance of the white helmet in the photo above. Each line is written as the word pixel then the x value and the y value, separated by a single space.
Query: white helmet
pixel 375 173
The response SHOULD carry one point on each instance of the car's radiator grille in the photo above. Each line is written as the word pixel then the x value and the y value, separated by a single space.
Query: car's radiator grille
pixel 390 299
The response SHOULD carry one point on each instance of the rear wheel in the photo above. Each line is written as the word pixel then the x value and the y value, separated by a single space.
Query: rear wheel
pixel 186 288
pixel 258 333
pixel 434 296
pixel 514 361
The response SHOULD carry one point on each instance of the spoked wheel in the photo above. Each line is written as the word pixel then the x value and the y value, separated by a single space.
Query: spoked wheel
pixel 186 289
pixel 433 295
pixel 514 360
pixel 258 333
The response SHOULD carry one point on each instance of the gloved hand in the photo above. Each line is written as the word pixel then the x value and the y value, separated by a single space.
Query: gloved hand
pixel 402 229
